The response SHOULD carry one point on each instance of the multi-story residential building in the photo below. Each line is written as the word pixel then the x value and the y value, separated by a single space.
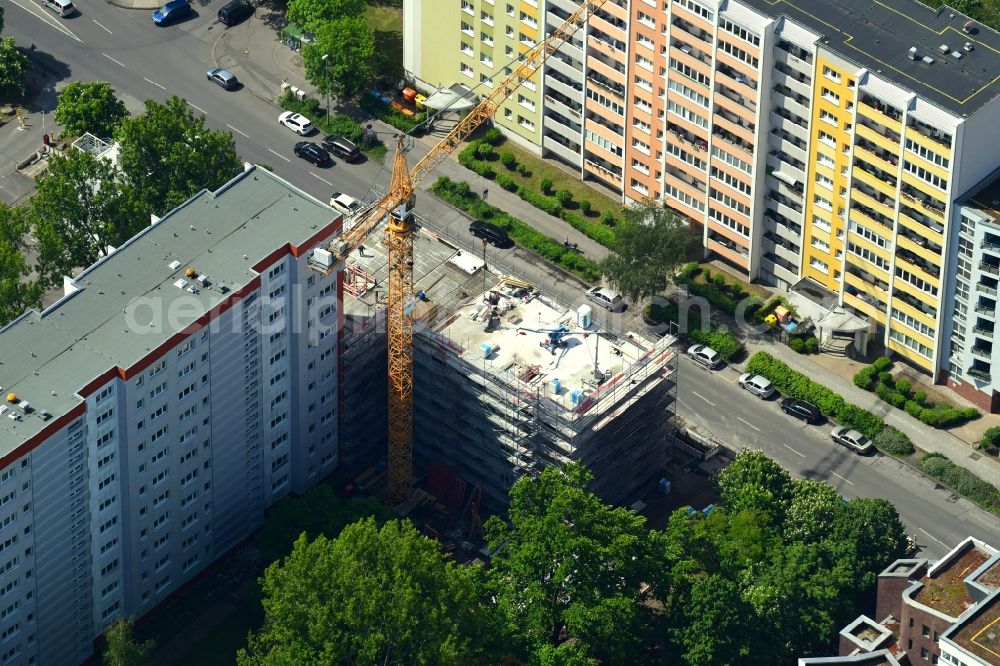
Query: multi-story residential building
pixel 941 612
pixel 813 140
pixel 180 386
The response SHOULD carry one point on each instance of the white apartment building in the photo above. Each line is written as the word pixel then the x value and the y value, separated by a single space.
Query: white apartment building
pixel 180 387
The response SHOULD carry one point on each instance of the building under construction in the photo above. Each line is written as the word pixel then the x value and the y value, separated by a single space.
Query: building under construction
pixel 506 380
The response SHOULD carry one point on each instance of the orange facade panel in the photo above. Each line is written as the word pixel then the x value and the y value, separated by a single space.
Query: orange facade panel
pixel 683 186
pixel 737 64
pixel 606 70
pixel 690 61
pixel 604 112
pixel 723 230
pixel 606 133
pixel 741 260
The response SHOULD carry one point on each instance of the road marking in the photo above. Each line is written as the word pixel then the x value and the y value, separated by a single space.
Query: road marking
pixel 102 26
pixel 699 395
pixel 323 179
pixel 237 131
pixel 748 423
pixel 154 83
pixel 198 109
pixel 933 537
pixel 801 455
pixel 842 478
pixel 279 155
pixel 46 17
pixel 112 59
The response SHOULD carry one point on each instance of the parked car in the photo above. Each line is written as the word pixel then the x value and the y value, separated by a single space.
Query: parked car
pixel 707 356
pixel 490 233
pixel 801 409
pixel 607 299
pixel 759 385
pixel 852 439
pixel 174 10
pixel 296 122
pixel 345 203
pixel 60 7
pixel 311 152
pixel 223 77
pixel 342 148
pixel 234 11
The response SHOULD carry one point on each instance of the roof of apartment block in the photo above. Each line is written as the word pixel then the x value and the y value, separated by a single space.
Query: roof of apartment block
pixel 946 591
pixel 112 320
pixel 879 35
pixel 986 197
pixel 980 632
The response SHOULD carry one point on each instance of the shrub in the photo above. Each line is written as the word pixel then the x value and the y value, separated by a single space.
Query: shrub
pixel 687 272
pixel 345 126
pixel 970 413
pixel 962 481
pixel 564 197
pixel 903 386
pixel 893 441
pixel 724 342
pixel 885 378
pixel 602 235
pixel 608 218
pixel 863 377
pixel 522 169
pixel 920 397
pixel 991 437
pixel 860 419
pixel 506 182
pixel 660 313
pixel 585 207
pixel 508 160
pixel 484 150
pixel 540 201
pixel 891 396
pixel 812 345
pixel 394 117
pixel 493 136
pixel 720 281
pixel 546 185
pixel 881 363
pixel 913 408
pixel 797 345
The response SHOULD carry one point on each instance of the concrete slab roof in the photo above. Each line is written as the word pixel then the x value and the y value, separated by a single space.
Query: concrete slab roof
pixel 127 305
pixel 878 36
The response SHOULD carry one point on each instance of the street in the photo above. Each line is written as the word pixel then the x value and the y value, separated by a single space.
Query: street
pixel 143 61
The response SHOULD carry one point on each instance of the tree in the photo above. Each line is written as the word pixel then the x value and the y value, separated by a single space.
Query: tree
pixel 651 242
pixel 17 293
pixel 707 626
pixel 311 15
pixel 571 567
pixel 123 649
pixel 349 44
pixel 168 155
pixel 81 209
pixel 89 107
pixel 811 511
pixel 13 65
pixel 754 481
pixel 866 536
pixel 371 596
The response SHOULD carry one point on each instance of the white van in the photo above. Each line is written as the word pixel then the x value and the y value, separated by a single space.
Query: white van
pixel 61 7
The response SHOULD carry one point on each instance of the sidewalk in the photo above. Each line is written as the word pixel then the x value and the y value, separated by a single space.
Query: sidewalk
pixel 925 437
pixel 137 4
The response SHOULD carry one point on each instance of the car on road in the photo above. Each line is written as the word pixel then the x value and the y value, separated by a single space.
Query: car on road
pixel 759 385
pixel 490 233
pixel 296 122
pixel 801 409
pixel 607 299
pixel 342 148
pixel 60 7
pixel 345 203
pixel 312 152
pixel 174 10
pixel 234 11
pixel 852 439
pixel 223 77
pixel 707 356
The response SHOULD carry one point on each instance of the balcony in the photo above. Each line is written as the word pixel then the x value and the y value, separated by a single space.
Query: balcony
pixel 985 288
pixel 781 221
pixel 993 269
pixel 919 241
pixel 609 173
pixel 920 263
pixel 880 106
pixel 788 202
pixel 877 130
pixel 562 147
pixel 687 137
pixel 692 30
pixel 883 203
pixel 781 262
pixel 686 178
pixel 987 306
pixel 786 136
pixel 729 137
pixel 734 75
pixel 983 327
pixel 607 41
pixel 606 84
pixel 877 152
pixel 982 352
pixel 689 50
pixel 991 242
pixel 562 103
pixel 882 178
pixel 795 51
pixel 869 215
pixel 979 373
pixel 921 219
pixel 933 133
pixel 734 96
pixel 914 302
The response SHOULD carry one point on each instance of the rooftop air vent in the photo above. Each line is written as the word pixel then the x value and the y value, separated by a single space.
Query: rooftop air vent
pixel 180 284
pixel 957 55
pixel 944 48
pixel 913 53
pixel 45 415
pixel 929 60
pixel 968 47
pixel 174 265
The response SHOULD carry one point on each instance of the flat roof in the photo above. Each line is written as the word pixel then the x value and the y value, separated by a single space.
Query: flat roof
pixel 980 632
pixel 946 591
pixel 47 357
pixel 986 197
pixel 878 36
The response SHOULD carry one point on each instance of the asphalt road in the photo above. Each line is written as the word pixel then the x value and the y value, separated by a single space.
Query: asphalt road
pixel 142 62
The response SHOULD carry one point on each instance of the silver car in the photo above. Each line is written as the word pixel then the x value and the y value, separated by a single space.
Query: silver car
pixel 852 439
pixel 707 356
pixel 606 298
pixel 759 385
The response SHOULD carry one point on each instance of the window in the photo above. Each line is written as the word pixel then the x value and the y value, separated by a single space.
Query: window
pixel 641 146
pixel 925 330
pixel 821 266
pixel 828 117
pixel 824 181
pixel 678 151
pixel 831 74
pixel 730 160
pixel 738 227
pixel 868 256
pixel 738 53
pixel 828 139
pixel 645 19
pixel 925 175
pixel 738 31
pixel 696 8
pixel 870 235
pixel 606 102
pixel 912 279
pixel 185 348
pixel 823 203
pixel 644 62
pixel 731 181
pixel 928 155
pixel 467 29
pixel 729 202
pixel 821 245
pixel 831 96
pixel 687 92
pixel 465 69
pixel 687 114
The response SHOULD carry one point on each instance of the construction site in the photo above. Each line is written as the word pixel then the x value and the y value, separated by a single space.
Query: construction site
pixel 507 381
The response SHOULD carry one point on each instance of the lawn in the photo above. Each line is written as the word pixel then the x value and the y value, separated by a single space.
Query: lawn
pixel 385 19
pixel 387 22
pixel 986 11
pixel 752 289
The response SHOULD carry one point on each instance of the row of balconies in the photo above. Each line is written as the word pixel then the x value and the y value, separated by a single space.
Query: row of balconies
pixel 932 133
pixel 872 214
pixel 795 51
pixel 882 107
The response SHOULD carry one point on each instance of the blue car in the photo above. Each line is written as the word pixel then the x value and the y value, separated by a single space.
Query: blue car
pixel 172 11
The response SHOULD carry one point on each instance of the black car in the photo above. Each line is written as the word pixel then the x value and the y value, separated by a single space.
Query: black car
pixel 342 148
pixel 801 409
pixel 311 152
pixel 235 11
pixel 489 232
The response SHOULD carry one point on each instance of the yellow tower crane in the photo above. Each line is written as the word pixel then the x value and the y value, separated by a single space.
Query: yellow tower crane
pixel 397 205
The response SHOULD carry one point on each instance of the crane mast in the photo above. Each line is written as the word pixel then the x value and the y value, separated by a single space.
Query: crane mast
pixel 397 205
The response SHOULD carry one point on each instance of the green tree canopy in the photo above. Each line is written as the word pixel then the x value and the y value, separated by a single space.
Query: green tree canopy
pixel 122 648
pixel 313 14
pixel 89 107
pixel 81 209
pixel 168 154
pixel 372 596
pixel 349 43
pixel 706 627
pixel 811 510
pixel 13 65
pixel 754 481
pixel 651 242
pixel 17 291
pixel 569 566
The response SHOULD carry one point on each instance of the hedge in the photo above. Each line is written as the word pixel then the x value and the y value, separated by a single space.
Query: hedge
pixel 724 342
pixel 877 378
pixel 894 442
pixel 962 481
pixel 796 385
pixel 460 195
pixel 379 109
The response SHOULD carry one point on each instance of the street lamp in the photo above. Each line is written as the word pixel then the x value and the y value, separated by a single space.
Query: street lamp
pixel 326 81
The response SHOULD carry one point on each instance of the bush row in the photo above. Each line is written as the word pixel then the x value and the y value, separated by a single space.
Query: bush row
pixel 384 112
pixel 460 195
pixel 724 342
pixel 804 344
pixel 962 481
pixel 719 294
pixel 900 394
pixel 894 442
pixel 796 385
